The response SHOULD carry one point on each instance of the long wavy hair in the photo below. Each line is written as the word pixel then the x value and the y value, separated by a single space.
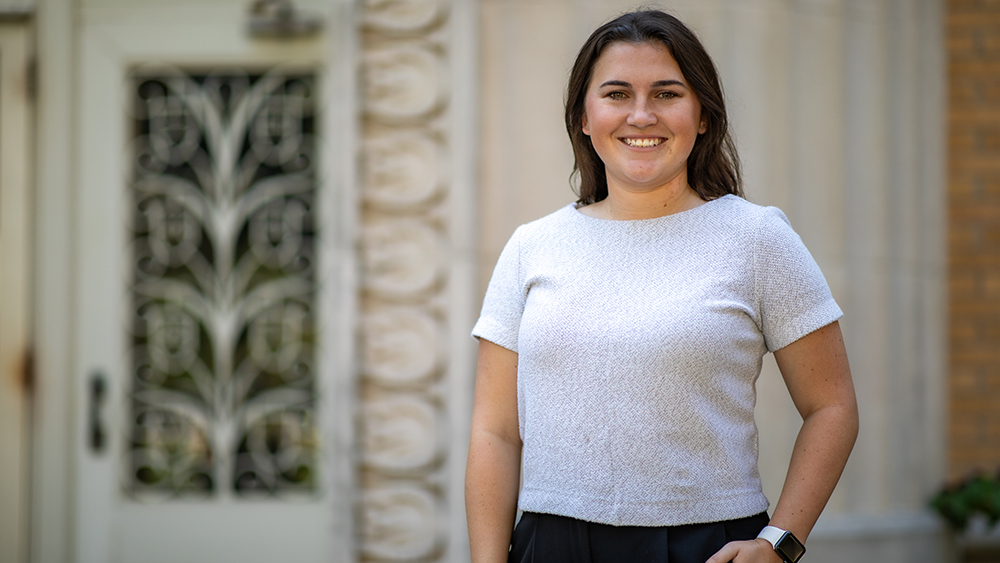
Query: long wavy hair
pixel 713 165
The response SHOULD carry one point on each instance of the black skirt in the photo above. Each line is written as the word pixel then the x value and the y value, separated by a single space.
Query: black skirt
pixel 546 538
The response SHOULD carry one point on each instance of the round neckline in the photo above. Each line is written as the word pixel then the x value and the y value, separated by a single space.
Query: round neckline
pixel 575 208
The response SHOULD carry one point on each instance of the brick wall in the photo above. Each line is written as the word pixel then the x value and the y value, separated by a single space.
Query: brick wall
pixel 973 39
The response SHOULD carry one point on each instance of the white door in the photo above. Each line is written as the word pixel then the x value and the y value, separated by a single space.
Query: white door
pixel 207 316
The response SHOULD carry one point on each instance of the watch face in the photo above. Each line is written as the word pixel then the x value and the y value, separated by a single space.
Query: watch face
pixel 789 547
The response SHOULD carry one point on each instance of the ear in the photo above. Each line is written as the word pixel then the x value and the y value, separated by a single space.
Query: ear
pixel 586 126
pixel 703 126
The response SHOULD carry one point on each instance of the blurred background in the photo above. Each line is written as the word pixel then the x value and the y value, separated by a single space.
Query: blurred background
pixel 243 243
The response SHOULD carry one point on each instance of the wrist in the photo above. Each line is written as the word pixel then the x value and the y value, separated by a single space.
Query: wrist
pixel 784 543
pixel 764 544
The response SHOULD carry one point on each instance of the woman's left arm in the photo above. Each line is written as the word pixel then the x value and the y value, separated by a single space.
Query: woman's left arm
pixel 818 377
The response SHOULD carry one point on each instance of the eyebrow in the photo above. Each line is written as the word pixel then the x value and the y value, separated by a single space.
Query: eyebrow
pixel 657 84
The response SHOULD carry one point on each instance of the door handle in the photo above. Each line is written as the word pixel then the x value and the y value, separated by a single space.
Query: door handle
pixel 98 395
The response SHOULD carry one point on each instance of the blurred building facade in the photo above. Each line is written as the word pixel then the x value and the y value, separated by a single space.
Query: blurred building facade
pixel 973 33
pixel 247 242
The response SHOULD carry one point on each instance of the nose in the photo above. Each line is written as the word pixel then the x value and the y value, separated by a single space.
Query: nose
pixel 641 114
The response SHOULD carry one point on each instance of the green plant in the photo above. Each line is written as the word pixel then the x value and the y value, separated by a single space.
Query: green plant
pixel 959 502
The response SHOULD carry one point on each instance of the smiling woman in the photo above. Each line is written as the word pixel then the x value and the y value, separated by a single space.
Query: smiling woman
pixel 621 337
pixel 643 121
pixel 713 165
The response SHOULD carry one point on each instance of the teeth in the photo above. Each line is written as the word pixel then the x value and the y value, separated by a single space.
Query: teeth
pixel 642 143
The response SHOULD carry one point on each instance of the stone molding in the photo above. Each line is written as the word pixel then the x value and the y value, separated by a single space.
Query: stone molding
pixel 402 427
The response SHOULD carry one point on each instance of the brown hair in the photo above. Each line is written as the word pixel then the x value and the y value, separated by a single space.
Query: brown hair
pixel 713 165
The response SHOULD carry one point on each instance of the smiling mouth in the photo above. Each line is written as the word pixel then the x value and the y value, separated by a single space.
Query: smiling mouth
pixel 642 143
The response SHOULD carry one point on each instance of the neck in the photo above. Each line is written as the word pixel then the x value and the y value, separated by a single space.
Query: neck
pixel 626 205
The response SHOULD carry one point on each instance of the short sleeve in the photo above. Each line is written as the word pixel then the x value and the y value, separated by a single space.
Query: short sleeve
pixel 500 320
pixel 794 296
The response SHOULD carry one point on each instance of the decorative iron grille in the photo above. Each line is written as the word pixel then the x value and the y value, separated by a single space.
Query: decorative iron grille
pixel 223 285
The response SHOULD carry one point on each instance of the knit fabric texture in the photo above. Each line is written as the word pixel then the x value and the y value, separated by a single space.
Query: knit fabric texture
pixel 639 346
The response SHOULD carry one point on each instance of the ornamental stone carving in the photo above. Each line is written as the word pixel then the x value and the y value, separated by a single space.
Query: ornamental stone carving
pixel 399 522
pixel 401 257
pixel 402 433
pixel 391 16
pixel 401 346
pixel 403 82
pixel 401 169
pixel 404 262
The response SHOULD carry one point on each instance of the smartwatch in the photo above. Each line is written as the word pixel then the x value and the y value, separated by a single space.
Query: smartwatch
pixel 788 547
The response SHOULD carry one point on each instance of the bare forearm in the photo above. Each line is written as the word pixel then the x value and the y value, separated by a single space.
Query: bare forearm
pixel 491 486
pixel 821 451
pixel 818 377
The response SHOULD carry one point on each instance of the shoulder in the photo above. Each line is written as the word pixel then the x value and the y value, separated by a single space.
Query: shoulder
pixel 739 219
pixel 759 221
pixel 562 217
pixel 736 208
pixel 560 223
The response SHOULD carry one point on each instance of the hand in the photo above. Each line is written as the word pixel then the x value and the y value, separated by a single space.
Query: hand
pixel 751 551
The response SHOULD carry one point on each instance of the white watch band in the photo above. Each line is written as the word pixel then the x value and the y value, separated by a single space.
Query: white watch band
pixel 771 534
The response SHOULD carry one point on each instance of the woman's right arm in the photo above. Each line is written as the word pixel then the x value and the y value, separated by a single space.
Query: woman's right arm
pixel 492 476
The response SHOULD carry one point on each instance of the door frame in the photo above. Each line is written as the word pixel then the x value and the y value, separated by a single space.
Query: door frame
pixel 57 531
pixel 16 116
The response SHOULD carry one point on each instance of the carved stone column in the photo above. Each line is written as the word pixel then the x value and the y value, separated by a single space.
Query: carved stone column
pixel 408 293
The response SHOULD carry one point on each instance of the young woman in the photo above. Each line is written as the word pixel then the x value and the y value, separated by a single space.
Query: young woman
pixel 621 337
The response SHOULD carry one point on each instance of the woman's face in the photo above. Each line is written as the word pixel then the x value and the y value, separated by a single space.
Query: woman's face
pixel 641 116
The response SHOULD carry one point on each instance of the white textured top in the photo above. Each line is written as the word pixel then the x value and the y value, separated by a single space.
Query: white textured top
pixel 639 344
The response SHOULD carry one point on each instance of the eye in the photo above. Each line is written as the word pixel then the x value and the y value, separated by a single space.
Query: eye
pixel 616 95
pixel 668 95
